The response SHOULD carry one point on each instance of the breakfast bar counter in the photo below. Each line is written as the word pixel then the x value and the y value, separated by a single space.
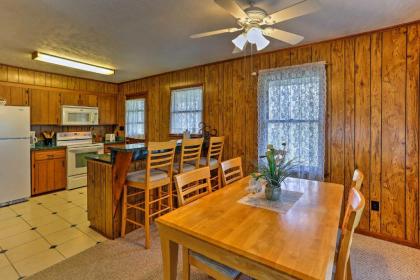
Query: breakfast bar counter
pixel 105 180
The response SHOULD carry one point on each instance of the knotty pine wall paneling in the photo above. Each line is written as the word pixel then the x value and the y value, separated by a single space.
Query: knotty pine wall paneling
pixel 372 119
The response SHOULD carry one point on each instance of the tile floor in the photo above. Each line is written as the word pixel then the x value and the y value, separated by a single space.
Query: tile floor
pixel 43 231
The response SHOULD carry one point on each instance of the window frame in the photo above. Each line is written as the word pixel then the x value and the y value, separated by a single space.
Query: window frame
pixel 171 89
pixel 141 95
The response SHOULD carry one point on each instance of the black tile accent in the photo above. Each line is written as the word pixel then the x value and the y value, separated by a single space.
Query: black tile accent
pixel 21 277
pixel 39 203
pixel 17 216
pixel 34 228
pixel 54 213
pixel 74 225
pixel 3 251
pixel 69 201
pixel 98 242
pixel 53 246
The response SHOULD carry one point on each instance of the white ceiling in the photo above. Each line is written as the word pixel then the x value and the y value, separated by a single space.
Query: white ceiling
pixel 145 37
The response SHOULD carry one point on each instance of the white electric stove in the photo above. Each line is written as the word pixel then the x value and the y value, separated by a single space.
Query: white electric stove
pixel 79 145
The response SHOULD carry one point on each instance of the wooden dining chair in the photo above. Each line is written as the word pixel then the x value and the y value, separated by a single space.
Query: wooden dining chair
pixel 352 215
pixel 191 186
pixel 213 159
pixel 156 176
pixel 358 177
pixel 232 170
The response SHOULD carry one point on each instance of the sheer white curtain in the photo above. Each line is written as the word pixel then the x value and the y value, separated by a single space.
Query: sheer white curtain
pixel 186 109
pixel 134 118
pixel 291 110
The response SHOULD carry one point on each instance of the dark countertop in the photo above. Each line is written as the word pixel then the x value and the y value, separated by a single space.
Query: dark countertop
pixel 42 147
pixel 115 142
pixel 105 158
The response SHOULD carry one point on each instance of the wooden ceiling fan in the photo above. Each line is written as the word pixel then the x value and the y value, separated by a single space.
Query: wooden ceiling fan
pixel 255 22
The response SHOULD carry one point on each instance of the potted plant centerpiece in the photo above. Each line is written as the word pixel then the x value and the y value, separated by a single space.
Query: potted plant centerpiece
pixel 275 171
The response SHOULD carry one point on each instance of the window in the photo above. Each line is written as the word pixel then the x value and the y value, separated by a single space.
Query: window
pixel 135 118
pixel 186 109
pixel 292 111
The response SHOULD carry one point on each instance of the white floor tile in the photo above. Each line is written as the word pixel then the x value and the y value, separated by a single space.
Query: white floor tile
pixel 55 226
pixel 6 213
pixel 3 261
pixel 38 262
pixel 19 239
pixel 91 232
pixel 75 246
pixel 11 222
pixel 37 221
pixel 13 230
pixel 28 249
pixel 8 273
pixel 62 236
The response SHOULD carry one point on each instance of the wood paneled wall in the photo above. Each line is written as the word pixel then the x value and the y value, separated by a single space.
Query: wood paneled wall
pixel 372 115
pixel 37 78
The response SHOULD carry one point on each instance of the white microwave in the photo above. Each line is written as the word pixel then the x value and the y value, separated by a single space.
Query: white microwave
pixel 77 115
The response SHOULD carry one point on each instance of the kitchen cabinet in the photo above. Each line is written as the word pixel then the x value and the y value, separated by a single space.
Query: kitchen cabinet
pixel 14 96
pixel 48 171
pixel 107 109
pixel 45 107
pixel 70 98
pixel 89 100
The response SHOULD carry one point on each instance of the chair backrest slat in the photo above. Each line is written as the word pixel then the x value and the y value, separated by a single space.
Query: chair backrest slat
pixel 352 216
pixel 190 153
pixel 215 148
pixel 192 185
pixel 232 170
pixel 160 155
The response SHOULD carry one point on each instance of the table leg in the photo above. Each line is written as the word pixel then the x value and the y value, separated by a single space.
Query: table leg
pixel 170 258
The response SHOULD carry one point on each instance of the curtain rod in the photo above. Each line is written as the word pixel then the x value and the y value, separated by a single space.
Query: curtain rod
pixel 294 66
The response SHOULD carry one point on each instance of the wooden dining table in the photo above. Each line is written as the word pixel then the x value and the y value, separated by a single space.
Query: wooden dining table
pixel 261 243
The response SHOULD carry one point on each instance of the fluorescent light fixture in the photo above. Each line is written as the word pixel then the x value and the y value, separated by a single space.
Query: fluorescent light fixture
pixel 71 63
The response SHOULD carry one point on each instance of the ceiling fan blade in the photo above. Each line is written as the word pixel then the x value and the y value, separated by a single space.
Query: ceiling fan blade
pixel 303 8
pixel 215 32
pixel 232 7
pixel 284 36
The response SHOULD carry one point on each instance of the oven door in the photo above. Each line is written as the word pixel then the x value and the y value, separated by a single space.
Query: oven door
pixel 76 158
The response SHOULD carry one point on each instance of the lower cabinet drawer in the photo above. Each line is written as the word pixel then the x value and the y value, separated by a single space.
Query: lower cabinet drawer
pixel 50 154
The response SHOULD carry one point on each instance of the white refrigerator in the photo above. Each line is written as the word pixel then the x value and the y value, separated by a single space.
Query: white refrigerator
pixel 15 164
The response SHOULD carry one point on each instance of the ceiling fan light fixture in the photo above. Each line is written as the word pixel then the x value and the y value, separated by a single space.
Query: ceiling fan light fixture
pixel 262 43
pixel 254 34
pixel 240 41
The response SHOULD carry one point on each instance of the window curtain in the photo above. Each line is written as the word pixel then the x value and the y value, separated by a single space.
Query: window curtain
pixel 291 110
pixel 186 110
pixel 134 118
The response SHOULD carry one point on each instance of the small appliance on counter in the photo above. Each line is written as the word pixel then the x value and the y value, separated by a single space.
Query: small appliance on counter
pixel 48 137
pixel 33 138
pixel 110 137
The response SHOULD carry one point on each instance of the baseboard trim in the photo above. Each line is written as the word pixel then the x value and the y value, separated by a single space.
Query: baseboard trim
pixel 389 238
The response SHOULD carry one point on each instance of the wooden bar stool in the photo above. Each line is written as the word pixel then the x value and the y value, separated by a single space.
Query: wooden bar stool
pixel 231 170
pixel 188 160
pixel 191 186
pixel 213 159
pixel 157 175
pixel 358 177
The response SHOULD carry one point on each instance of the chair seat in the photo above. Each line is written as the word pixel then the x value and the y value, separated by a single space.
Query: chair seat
pixel 223 269
pixel 187 167
pixel 213 163
pixel 139 176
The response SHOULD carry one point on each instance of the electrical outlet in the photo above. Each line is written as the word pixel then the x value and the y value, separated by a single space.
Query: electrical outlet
pixel 375 205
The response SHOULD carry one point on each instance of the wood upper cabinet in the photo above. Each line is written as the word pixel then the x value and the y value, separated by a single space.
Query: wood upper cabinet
pixel 45 107
pixel 48 171
pixel 89 100
pixel 70 98
pixel 14 96
pixel 107 109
